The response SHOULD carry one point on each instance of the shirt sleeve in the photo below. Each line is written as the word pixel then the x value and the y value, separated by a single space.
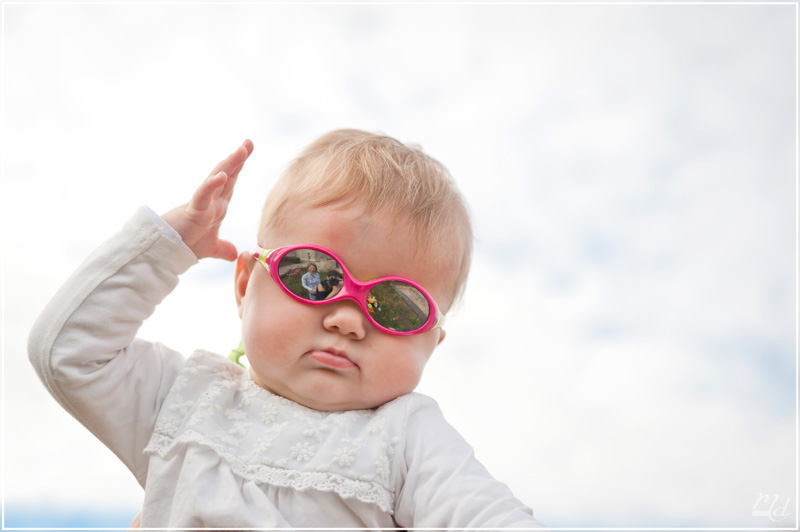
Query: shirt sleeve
pixel 442 484
pixel 83 345
pixel 308 282
pixel 165 228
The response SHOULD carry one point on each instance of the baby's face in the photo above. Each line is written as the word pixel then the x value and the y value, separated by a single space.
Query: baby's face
pixel 330 357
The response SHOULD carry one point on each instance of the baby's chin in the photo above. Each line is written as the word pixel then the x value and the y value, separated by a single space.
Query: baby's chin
pixel 315 403
pixel 343 406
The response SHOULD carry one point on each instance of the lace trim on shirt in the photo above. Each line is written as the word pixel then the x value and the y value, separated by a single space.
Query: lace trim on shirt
pixel 347 488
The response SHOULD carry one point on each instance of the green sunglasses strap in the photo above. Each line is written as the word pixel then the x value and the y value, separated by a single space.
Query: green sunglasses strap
pixel 237 353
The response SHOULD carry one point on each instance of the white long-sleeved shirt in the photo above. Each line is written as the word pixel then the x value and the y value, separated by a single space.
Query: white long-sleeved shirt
pixel 310 281
pixel 213 449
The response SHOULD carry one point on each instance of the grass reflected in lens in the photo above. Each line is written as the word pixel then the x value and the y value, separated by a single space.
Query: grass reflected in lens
pixel 398 306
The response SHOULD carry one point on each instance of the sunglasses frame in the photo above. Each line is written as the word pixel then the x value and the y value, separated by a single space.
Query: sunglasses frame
pixel 352 289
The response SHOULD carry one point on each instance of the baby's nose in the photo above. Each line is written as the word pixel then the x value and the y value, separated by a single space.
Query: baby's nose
pixel 345 317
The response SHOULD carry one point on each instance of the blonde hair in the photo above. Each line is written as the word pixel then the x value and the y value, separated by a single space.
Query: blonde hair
pixel 387 177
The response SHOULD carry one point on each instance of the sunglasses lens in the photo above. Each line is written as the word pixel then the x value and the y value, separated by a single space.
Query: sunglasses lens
pixel 398 306
pixel 310 274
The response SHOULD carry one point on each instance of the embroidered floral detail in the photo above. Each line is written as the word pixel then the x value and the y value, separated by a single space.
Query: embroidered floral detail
pixel 228 373
pixel 316 431
pixel 262 445
pixel 182 408
pixel 344 457
pixel 234 414
pixel 268 439
pixel 345 487
pixel 382 468
pixel 249 391
pixel 269 413
pixel 180 382
pixel 209 402
pixel 196 419
pixel 226 437
pixel 389 449
pixel 376 426
pixel 167 426
pixel 240 429
pixel 345 419
pixel 303 451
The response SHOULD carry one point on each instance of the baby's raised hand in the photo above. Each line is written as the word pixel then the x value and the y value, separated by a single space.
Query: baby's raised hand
pixel 198 221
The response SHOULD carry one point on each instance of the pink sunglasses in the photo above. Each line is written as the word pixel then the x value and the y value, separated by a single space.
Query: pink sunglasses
pixel 315 275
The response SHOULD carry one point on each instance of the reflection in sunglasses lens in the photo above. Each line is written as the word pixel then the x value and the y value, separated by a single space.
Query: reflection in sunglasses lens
pixel 398 306
pixel 310 274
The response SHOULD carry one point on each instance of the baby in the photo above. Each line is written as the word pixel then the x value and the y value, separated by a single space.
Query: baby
pixel 323 429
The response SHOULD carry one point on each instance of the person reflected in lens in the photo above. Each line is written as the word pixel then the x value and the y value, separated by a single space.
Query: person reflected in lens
pixel 330 286
pixel 311 281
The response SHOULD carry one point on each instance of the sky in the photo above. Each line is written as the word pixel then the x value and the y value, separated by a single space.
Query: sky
pixel 626 352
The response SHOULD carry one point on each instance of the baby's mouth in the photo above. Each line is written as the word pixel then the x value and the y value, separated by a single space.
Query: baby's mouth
pixel 332 358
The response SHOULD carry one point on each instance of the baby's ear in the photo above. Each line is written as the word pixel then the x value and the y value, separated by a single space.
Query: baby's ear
pixel 244 267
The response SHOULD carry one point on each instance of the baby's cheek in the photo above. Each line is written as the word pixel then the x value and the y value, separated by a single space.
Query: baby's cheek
pixel 261 338
pixel 400 376
pixel 255 333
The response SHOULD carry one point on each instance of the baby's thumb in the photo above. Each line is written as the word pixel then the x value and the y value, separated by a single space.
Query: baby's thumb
pixel 226 251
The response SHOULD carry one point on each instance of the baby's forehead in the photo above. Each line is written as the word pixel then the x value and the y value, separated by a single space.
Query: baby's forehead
pixel 352 220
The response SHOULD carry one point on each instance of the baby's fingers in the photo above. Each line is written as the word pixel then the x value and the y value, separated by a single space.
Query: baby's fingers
pixel 207 191
pixel 247 145
pixel 233 173
pixel 234 162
